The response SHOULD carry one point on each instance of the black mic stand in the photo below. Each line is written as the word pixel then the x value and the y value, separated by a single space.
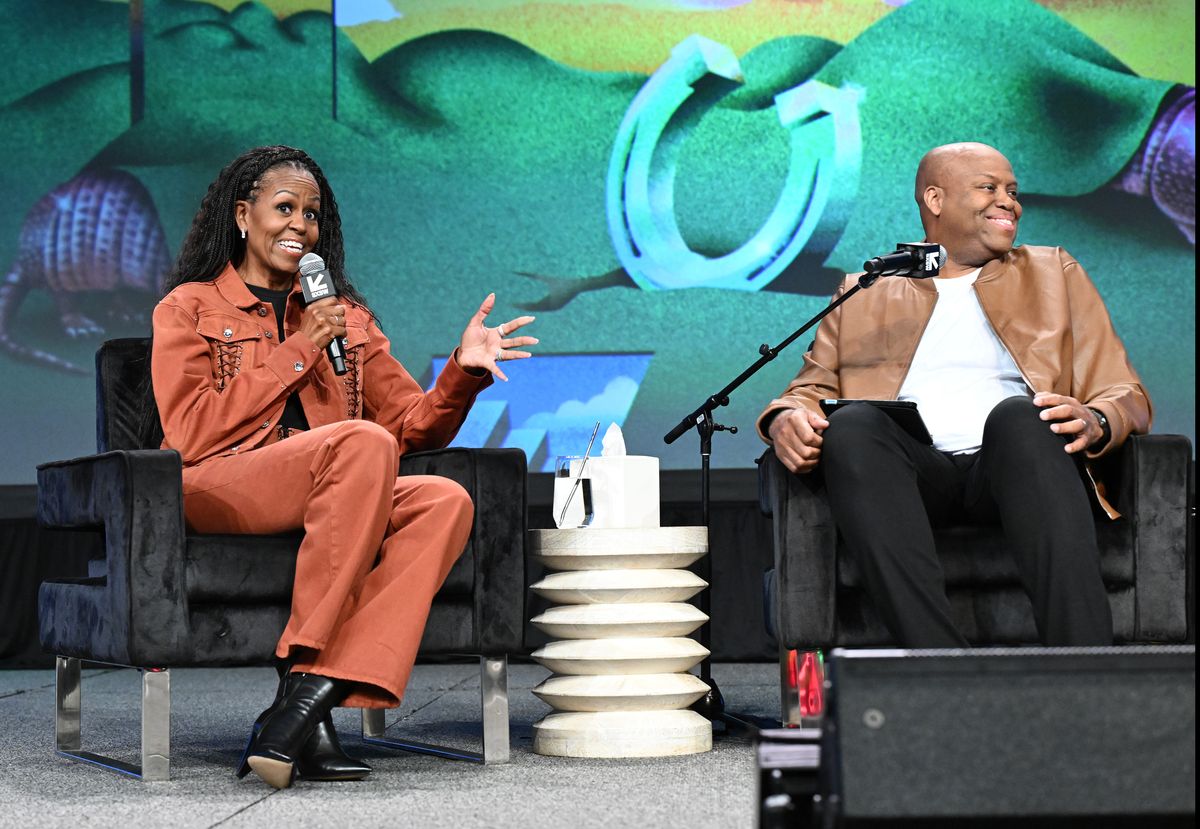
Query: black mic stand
pixel 712 704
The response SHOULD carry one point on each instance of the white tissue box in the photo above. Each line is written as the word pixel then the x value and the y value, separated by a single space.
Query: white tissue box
pixel 624 491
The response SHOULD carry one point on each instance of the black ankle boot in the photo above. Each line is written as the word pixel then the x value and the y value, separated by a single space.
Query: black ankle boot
pixel 281 668
pixel 274 752
pixel 322 758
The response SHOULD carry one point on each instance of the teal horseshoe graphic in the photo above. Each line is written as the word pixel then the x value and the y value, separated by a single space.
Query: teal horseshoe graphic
pixel 814 203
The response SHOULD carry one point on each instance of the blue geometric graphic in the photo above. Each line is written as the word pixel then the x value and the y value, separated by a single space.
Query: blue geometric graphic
pixel 551 403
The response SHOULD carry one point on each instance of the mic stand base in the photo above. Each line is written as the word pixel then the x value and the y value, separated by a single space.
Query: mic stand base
pixel 711 706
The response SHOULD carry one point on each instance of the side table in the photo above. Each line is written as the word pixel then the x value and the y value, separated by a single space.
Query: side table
pixel 621 686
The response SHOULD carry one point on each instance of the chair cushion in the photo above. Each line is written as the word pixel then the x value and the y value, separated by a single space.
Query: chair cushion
pixel 255 569
pixel 246 634
pixel 241 569
pixel 1001 615
pixel 977 556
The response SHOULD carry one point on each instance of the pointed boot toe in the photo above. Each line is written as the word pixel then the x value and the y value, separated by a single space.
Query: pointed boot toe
pixel 323 759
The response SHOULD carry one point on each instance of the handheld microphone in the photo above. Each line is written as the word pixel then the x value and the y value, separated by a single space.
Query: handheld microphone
pixel 913 259
pixel 316 283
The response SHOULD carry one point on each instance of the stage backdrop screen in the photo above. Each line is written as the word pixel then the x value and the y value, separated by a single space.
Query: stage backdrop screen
pixel 665 184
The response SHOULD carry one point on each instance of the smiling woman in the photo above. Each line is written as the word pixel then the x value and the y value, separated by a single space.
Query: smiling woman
pixel 272 440
pixel 279 224
pixel 280 182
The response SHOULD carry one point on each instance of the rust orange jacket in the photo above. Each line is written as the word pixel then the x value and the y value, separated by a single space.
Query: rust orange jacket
pixel 221 378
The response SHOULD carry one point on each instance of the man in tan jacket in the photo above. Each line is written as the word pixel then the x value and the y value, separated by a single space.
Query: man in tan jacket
pixel 1018 373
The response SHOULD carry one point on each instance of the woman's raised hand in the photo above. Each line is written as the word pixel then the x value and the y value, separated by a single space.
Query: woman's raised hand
pixel 483 347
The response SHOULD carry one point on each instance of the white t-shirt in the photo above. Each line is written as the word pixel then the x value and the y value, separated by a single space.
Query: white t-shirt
pixel 961 369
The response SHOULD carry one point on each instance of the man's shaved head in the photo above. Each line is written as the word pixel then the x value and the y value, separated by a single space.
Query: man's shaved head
pixel 968 198
pixel 941 162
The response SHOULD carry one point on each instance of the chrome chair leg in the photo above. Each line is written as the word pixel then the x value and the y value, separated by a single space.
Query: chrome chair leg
pixel 156 722
pixel 493 686
pixel 493 690
pixel 67 704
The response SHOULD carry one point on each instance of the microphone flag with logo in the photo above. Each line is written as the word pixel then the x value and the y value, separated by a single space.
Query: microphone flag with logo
pixel 913 259
pixel 317 283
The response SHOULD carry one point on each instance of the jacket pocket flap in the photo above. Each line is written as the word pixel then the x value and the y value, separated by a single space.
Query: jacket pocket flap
pixel 227 329
pixel 356 335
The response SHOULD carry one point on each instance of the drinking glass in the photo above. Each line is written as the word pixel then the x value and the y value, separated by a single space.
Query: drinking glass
pixel 572 491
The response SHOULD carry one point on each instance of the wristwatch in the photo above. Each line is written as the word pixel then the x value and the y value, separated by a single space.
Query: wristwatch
pixel 1105 429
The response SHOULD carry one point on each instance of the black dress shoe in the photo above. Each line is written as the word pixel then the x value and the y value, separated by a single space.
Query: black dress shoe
pixel 275 750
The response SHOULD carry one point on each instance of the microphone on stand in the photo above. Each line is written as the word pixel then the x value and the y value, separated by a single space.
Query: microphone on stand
pixel 918 260
pixel 317 283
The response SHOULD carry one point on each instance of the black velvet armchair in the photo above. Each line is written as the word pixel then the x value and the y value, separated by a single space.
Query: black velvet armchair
pixel 163 597
pixel 815 601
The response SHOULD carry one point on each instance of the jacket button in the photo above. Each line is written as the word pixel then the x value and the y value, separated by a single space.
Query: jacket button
pixel 228 332
pixel 268 334
pixel 262 312
pixel 299 366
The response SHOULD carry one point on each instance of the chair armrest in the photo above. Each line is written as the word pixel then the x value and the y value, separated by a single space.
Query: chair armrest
pixel 805 539
pixel 1155 473
pixel 135 497
pixel 497 482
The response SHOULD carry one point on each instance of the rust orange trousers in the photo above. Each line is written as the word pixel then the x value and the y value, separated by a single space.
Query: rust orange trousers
pixel 376 546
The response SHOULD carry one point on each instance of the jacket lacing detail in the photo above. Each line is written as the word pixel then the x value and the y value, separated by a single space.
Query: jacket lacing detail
pixel 353 385
pixel 227 360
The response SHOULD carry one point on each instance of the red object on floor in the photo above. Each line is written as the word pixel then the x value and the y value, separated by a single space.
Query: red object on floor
pixel 807 673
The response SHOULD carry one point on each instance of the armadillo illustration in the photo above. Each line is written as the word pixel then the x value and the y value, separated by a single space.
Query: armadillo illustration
pixel 98 233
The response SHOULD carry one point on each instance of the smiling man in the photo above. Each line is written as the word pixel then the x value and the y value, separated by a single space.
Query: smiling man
pixel 1018 373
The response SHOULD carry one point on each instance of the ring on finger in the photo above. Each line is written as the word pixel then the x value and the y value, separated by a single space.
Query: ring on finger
pixel 499 354
pixel 500 330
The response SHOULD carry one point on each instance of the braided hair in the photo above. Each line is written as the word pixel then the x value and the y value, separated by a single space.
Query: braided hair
pixel 214 240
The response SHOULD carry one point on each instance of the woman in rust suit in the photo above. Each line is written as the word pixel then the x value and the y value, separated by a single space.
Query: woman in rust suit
pixel 273 440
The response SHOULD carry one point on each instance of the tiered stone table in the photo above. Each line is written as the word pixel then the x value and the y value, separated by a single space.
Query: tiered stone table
pixel 621 687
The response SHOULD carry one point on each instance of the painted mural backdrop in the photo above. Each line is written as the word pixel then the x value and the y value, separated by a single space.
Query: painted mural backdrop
pixel 665 183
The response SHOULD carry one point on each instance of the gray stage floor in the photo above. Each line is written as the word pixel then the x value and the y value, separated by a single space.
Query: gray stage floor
pixel 213 709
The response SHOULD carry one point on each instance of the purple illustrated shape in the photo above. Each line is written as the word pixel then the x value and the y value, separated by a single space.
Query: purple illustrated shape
pixel 97 234
pixel 1165 165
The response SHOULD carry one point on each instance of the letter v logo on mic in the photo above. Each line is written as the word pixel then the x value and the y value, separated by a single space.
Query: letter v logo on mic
pixel 317 286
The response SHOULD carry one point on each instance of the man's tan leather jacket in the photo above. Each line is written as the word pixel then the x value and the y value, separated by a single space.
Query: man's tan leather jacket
pixel 1039 301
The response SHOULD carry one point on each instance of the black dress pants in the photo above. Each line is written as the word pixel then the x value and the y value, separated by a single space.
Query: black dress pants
pixel 887 491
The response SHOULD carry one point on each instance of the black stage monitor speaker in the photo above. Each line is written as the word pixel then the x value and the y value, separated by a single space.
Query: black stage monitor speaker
pixel 789 761
pixel 1010 733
